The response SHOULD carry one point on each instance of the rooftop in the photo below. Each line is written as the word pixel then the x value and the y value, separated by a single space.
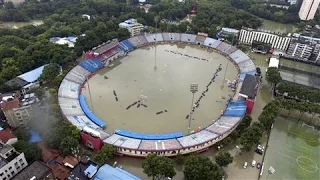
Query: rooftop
pixel 250 85
pixel 16 82
pixel 6 135
pixel 33 75
pixel 5 148
pixel 108 172
pixel 36 169
pixel 9 105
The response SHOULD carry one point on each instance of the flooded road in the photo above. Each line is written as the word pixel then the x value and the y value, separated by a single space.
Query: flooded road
pixel 277 27
pixel 163 88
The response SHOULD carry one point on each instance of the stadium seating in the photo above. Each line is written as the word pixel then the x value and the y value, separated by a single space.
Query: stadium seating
pixel 91 65
pixel 138 41
pixel 197 138
pixel 238 56
pixel 78 74
pixel 123 142
pixel 235 109
pixel 212 43
pixel 68 89
pixel 70 107
pixel 148 136
pixel 188 38
pixel 126 46
pixel 155 145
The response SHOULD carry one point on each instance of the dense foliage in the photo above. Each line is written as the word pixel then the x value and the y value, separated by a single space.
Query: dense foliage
pixel 199 167
pixel 106 153
pixel 158 167
pixel 266 11
pixel 251 136
pixel 223 159
pixel 300 92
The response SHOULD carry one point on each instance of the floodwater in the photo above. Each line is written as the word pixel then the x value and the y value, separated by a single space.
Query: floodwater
pixel 161 84
pixel 293 151
pixel 277 27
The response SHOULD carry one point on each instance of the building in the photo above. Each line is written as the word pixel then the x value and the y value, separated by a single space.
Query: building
pixel 35 171
pixel 104 52
pixel 7 137
pixel 70 41
pixel 249 90
pixel 93 138
pixel 277 41
pixel 133 26
pixel 292 2
pixel 109 172
pixel 308 9
pixel 304 48
pixel 11 162
pixel 27 80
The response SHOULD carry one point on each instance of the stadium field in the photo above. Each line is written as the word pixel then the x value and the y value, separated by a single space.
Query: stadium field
pixel 293 151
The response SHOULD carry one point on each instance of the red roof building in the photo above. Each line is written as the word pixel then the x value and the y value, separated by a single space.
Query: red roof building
pixel 7 137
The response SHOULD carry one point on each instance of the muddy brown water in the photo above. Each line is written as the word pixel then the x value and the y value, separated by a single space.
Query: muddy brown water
pixel 161 85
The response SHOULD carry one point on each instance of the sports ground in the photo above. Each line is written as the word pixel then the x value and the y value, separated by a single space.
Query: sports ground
pixel 293 151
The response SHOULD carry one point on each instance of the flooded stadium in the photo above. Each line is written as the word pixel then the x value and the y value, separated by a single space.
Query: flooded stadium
pixel 148 90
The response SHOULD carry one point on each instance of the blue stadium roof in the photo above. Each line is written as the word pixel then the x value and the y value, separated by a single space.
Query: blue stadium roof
pixel 107 172
pixel 33 75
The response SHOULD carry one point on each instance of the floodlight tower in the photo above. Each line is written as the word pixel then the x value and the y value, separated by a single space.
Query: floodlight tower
pixel 194 11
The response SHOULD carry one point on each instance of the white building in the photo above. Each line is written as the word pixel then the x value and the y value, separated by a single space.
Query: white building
pixel 308 9
pixel 133 26
pixel 247 36
pixel 292 2
pixel 11 162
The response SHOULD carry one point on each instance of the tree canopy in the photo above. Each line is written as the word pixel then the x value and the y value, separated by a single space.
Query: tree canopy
pixel 31 151
pixel 251 136
pixel 223 159
pixel 158 167
pixel 106 153
pixel 199 167
pixel 273 75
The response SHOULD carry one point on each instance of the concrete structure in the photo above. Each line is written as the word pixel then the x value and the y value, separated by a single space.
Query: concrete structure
pixel 11 162
pixel 35 171
pixel 304 48
pixel 277 41
pixel 308 9
pixel 249 90
pixel 133 26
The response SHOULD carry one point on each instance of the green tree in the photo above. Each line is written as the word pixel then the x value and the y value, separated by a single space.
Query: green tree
pixel 244 124
pixel 223 159
pixel 179 159
pixel 199 167
pixel 106 153
pixel 31 151
pixel 158 167
pixel 22 134
pixel 49 72
pixel 67 145
pixel 251 136
pixel 273 76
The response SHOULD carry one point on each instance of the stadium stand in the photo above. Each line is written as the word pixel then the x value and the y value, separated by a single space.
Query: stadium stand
pixel 78 74
pixel 246 66
pixel 189 38
pixel 91 65
pixel 238 56
pixel 89 113
pixel 200 39
pixel 148 136
pixel 123 142
pixel 138 41
pixel 103 48
pixel 155 145
pixel 196 138
pixel 69 89
pixel 73 106
pixel 212 43
pixel 235 109
pixel 223 124
pixel 126 46
pixel 70 107
pixel 81 121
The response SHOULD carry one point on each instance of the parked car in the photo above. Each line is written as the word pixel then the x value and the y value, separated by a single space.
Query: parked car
pixel 254 162
pixel 258 165
pixel 245 165
pixel 260 149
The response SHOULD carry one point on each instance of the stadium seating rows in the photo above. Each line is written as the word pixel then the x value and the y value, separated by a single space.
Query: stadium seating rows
pixel 70 102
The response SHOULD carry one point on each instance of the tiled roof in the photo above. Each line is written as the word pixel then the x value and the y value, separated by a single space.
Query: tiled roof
pixel 6 135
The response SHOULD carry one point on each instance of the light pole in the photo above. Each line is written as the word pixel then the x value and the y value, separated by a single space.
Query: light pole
pixel 225 73
pixel 193 90
pixel 155 55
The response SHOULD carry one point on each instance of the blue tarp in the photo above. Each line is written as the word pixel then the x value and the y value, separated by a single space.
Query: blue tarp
pixel 148 136
pixel 126 45
pixel 235 109
pixel 91 170
pixel 92 65
pixel 34 137
pixel 90 114
pixel 243 75
pixel 107 172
